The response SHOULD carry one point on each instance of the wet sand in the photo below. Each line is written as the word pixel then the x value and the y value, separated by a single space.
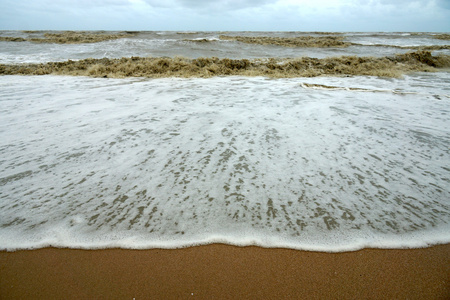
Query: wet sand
pixel 225 272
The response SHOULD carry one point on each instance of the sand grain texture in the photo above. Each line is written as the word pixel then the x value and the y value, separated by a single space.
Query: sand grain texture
pixel 225 272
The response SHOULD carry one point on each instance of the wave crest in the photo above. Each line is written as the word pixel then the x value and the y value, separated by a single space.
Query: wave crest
pixel 419 61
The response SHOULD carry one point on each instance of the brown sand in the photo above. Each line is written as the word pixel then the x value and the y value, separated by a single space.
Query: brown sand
pixel 393 66
pixel 225 272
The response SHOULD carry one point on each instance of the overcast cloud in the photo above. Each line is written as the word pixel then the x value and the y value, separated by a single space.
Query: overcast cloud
pixel 296 15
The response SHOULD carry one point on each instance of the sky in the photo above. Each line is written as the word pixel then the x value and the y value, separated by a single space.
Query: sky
pixel 227 15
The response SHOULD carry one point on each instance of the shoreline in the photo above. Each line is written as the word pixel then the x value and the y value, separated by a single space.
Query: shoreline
pixel 224 271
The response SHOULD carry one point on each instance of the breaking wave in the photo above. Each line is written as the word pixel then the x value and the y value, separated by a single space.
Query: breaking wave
pixel 207 67
pixel 301 41
pixel 70 37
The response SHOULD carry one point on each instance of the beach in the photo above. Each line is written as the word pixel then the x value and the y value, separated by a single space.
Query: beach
pixel 261 165
pixel 225 272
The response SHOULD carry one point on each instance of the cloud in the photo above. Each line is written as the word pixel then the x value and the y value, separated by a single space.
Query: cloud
pixel 207 5
pixel 320 15
pixel 223 4
pixel 443 4
pixel 52 6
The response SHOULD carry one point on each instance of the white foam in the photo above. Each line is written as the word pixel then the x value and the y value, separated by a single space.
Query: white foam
pixel 167 163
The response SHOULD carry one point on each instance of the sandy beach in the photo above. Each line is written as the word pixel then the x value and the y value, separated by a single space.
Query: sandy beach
pixel 226 272
pixel 307 140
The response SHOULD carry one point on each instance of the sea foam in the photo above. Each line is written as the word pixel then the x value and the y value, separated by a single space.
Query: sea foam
pixel 144 163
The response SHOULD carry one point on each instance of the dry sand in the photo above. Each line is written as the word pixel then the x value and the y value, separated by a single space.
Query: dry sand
pixel 225 272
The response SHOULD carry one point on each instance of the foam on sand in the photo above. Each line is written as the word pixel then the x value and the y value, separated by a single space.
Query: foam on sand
pixel 144 163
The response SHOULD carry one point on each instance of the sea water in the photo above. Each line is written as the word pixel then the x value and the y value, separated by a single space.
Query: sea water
pixel 325 164
pixel 143 163
pixel 189 44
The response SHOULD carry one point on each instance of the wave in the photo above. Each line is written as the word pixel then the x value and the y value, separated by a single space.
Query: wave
pixel 12 39
pixel 423 47
pixel 419 61
pixel 444 36
pixel 201 40
pixel 320 42
pixel 300 41
pixel 71 37
pixel 317 40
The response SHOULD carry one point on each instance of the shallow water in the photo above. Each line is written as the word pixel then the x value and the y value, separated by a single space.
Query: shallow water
pixel 328 164
pixel 339 164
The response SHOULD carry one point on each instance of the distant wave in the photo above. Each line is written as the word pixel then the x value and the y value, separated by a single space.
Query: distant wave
pixel 311 40
pixel 300 41
pixel 70 37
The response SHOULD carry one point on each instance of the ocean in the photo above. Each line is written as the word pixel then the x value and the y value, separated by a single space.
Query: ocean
pixel 321 163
